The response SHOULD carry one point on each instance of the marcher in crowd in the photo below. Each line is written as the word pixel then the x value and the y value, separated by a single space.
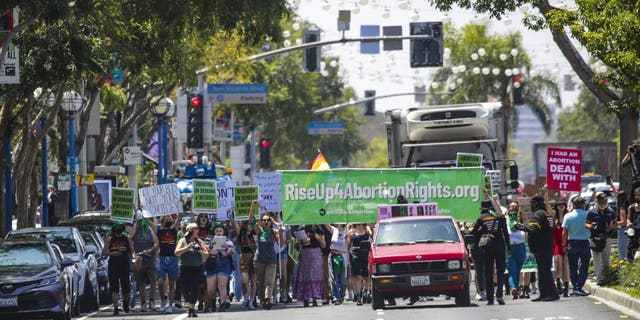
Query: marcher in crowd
pixel 246 244
pixel 145 244
pixel 118 248
pixel 621 222
pixel 283 257
pixel 359 245
pixel 633 226
pixel 265 259
pixel 540 232
pixel 204 232
pixel 309 285
pixel 578 245
pixel 168 262
pixel 326 251
pixel 601 221
pixel 492 233
pixel 560 253
pixel 338 260
pixel 220 251
pixel 192 251
pixel 518 249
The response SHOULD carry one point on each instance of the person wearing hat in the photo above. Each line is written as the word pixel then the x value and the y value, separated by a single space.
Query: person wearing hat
pixel 491 231
pixel 601 222
pixel 577 246
pixel 192 251
pixel 145 244
pixel 118 248
pixel 540 231
pixel 218 266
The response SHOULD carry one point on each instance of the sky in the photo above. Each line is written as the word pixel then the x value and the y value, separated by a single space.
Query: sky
pixel 389 72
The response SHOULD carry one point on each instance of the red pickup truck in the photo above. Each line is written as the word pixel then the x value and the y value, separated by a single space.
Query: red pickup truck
pixel 418 256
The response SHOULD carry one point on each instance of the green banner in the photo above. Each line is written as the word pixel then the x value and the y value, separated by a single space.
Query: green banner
pixel 352 195
pixel 205 196
pixel 122 201
pixel 243 197
pixel 468 160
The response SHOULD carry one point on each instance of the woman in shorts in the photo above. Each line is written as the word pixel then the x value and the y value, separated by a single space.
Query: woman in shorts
pixel 220 252
pixel 359 244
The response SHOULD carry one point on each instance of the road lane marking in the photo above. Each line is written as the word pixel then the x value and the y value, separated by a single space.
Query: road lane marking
pixel 180 317
pixel 95 312
pixel 597 302
pixel 624 316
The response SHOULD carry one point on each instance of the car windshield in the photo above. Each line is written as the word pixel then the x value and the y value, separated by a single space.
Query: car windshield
pixel 416 231
pixel 20 255
pixel 63 239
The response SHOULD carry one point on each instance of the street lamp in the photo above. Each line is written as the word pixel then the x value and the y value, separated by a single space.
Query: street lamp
pixel 162 110
pixel 72 102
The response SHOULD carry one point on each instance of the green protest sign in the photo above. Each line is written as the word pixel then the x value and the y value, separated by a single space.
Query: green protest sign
pixel 243 197
pixel 122 200
pixel 353 195
pixel 205 196
pixel 468 160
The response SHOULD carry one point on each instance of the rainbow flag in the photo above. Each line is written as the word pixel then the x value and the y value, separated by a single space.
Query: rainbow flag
pixel 319 162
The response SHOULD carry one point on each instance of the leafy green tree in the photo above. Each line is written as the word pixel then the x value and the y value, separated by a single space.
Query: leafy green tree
pixel 587 121
pixel 607 29
pixel 475 54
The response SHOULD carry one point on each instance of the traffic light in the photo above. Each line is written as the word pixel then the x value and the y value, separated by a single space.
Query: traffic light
pixel 265 153
pixel 370 106
pixel 426 52
pixel 311 56
pixel 195 126
pixel 517 91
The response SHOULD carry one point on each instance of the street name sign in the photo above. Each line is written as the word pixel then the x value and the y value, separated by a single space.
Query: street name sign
pixel 237 93
pixel 336 127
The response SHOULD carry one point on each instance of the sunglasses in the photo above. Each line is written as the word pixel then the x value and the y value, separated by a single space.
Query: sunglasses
pixel 265 220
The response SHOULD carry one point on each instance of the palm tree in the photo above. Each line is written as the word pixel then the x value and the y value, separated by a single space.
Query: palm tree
pixel 487 67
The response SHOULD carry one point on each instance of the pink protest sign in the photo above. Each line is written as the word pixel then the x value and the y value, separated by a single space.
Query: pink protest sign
pixel 564 169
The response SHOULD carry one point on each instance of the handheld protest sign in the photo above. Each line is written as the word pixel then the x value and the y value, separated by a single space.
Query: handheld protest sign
pixel 122 204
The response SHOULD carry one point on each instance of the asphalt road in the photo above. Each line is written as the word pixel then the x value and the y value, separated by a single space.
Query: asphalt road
pixel 578 308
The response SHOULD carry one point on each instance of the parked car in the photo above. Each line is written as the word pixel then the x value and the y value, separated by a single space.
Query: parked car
pixel 418 256
pixel 73 246
pixel 99 221
pixel 94 238
pixel 34 282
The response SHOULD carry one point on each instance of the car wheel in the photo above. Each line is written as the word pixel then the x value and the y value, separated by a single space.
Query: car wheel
pixel 377 300
pixel 89 301
pixel 463 298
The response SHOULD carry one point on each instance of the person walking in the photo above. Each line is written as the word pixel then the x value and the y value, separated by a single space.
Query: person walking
pixel 540 232
pixel 309 285
pixel 192 252
pixel 491 230
pixel 220 251
pixel 359 246
pixel 145 244
pixel 518 254
pixel 338 260
pixel 601 221
pixel 560 254
pixel 246 244
pixel 118 248
pixel 621 223
pixel 266 259
pixel 167 262
pixel 633 226
pixel 574 231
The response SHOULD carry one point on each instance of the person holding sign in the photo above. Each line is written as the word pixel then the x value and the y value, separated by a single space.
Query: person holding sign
pixel 309 284
pixel 266 259
pixel 220 252
pixel 192 251
pixel 540 231
pixel 118 248
pixel 247 245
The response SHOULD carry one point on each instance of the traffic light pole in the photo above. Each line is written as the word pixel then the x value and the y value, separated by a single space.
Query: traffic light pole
pixel 346 104
pixel 328 42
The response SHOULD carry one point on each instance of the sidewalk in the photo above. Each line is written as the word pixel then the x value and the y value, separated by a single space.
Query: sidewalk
pixel 614 299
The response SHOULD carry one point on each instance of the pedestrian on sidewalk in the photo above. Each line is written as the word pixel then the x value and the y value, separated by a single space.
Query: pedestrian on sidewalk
pixel 601 221
pixel 578 246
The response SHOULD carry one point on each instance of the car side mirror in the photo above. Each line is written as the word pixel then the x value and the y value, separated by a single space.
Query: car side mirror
pixel 513 172
pixel 66 262
pixel 91 249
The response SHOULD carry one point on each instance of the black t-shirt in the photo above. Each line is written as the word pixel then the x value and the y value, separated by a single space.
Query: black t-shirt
pixel 119 244
pixel 167 239
pixel 602 220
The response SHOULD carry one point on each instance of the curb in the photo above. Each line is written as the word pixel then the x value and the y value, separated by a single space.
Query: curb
pixel 614 299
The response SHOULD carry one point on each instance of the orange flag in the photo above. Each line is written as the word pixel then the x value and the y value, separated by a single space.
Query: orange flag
pixel 319 162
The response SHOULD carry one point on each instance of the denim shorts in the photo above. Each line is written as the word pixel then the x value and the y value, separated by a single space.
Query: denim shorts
pixel 168 266
pixel 222 267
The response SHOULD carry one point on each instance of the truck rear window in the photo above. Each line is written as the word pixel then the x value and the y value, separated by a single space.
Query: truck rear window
pixel 416 231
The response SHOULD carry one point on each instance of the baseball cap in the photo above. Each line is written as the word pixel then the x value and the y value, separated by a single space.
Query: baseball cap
pixel 577 201
pixel 601 196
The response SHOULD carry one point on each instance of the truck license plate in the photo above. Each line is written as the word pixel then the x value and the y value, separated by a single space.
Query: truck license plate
pixel 9 302
pixel 420 281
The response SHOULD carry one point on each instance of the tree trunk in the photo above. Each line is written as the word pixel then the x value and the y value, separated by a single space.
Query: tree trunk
pixel 628 120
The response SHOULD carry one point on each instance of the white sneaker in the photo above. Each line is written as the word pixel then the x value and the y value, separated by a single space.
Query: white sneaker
pixel 163 305
pixel 169 310
pixel 152 306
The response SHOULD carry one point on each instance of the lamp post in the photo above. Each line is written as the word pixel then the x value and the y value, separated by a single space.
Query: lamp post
pixel 162 110
pixel 72 103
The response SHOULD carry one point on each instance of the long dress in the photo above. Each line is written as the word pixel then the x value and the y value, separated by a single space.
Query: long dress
pixel 309 279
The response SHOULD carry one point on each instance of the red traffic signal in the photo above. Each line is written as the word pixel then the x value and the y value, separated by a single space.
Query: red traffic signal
pixel 196 102
pixel 265 144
